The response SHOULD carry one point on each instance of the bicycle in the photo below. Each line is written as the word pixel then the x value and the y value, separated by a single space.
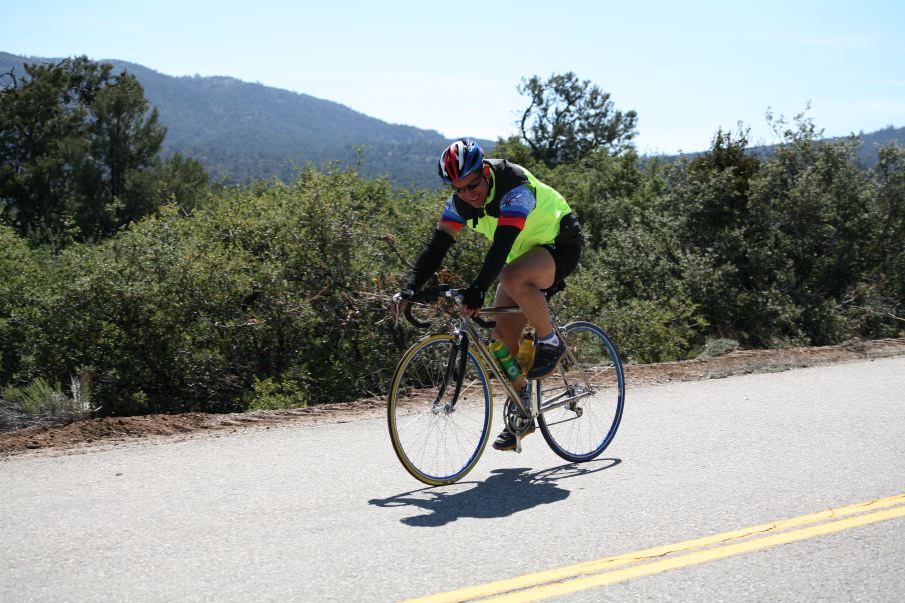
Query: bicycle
pixel 440 404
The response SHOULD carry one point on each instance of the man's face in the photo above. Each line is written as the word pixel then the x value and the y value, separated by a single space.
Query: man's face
pixel 472 188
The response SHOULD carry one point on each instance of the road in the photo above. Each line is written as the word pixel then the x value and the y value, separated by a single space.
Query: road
pixel 326 513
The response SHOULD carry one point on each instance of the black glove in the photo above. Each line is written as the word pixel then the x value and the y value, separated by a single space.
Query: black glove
pixel 473 297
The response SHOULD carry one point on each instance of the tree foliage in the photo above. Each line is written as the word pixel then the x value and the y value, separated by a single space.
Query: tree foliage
pixel 275 294
pixel 567 118
pixel 80 153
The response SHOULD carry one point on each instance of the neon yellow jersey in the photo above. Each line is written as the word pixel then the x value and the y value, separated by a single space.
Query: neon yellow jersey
pixel 516 198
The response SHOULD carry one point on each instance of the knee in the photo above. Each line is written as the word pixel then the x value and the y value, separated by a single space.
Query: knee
pixel 511 278
pixel 505 327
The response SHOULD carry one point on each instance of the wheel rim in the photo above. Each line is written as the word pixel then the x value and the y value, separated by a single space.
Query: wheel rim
pixel 437 439
pixel 583 431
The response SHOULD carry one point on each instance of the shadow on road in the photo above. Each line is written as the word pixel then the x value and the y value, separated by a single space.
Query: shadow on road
pixel 505 492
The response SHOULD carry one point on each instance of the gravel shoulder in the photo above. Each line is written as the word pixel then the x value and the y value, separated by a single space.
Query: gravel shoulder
pixel 82 436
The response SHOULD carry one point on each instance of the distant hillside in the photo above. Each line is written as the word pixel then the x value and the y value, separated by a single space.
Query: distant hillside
pixel 867 156
pixel 241 131
pixel 872 140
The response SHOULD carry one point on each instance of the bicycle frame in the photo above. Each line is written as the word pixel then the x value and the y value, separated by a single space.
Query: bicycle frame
pixel 568 396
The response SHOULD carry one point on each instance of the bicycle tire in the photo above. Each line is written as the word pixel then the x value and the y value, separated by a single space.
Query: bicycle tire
pixel 581 432
pixel 439 419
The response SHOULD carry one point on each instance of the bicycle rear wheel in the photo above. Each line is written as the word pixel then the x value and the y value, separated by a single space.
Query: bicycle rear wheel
pixel 582 428
pixel 439 410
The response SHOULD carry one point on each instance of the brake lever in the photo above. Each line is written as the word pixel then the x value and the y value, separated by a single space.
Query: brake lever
pixel 456 295
pixel 397 299
pixel 396 312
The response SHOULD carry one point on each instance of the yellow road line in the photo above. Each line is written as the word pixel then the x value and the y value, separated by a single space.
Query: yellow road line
pixel 556 582
pixel 576 584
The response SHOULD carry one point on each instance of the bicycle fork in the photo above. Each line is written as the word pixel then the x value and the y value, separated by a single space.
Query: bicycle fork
pixel 458 357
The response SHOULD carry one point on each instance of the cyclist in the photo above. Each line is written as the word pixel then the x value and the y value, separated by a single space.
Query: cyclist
pixel 536 243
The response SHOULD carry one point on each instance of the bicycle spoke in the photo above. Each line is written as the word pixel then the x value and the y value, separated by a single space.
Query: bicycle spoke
pixel 581 429
pixel 437 434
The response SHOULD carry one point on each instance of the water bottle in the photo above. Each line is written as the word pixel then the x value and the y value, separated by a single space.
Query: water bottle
pixel 510 366
pixel 526 353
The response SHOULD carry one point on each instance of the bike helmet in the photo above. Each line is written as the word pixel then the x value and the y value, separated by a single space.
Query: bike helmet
pixel 460 158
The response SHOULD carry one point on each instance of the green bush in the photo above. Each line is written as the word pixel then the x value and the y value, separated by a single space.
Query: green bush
pixel 651 325
pixel 264 297
pixel 275 295
pixel 20 273
pixel 40 403
pixel 181 314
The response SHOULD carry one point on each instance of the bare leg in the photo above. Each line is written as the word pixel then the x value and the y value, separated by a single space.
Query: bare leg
pixel 521 283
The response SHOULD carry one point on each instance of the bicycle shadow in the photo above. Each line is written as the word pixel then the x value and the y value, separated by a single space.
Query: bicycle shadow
pixel 504 493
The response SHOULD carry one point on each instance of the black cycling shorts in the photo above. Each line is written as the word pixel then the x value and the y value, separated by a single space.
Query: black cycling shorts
pixel 566 259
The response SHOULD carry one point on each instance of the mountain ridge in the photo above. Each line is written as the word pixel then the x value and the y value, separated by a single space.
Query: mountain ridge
pixel 242 131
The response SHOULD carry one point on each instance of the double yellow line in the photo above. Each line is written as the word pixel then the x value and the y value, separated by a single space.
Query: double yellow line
pixel 609 570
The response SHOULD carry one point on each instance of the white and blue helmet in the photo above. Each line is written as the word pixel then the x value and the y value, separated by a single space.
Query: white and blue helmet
pixel 460 158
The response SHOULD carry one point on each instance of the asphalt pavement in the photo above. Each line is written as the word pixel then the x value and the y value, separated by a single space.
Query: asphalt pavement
pixel 327 513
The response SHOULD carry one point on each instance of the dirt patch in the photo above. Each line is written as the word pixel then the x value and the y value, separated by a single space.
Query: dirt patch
pixel 762 361
pixel 118 430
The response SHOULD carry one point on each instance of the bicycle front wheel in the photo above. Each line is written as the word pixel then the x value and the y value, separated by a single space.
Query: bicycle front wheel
pixel 439 410
pixel 584 400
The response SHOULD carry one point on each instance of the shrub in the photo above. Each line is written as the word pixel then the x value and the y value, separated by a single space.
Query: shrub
pixel 275 295
pixel 40 403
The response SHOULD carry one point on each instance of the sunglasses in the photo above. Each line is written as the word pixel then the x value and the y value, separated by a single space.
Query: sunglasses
pixel 468 187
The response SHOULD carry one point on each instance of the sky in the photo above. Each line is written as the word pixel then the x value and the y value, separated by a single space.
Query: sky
pixel 687 68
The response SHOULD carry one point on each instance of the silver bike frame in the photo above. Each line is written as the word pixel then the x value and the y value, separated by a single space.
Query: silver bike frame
pixel 471 329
